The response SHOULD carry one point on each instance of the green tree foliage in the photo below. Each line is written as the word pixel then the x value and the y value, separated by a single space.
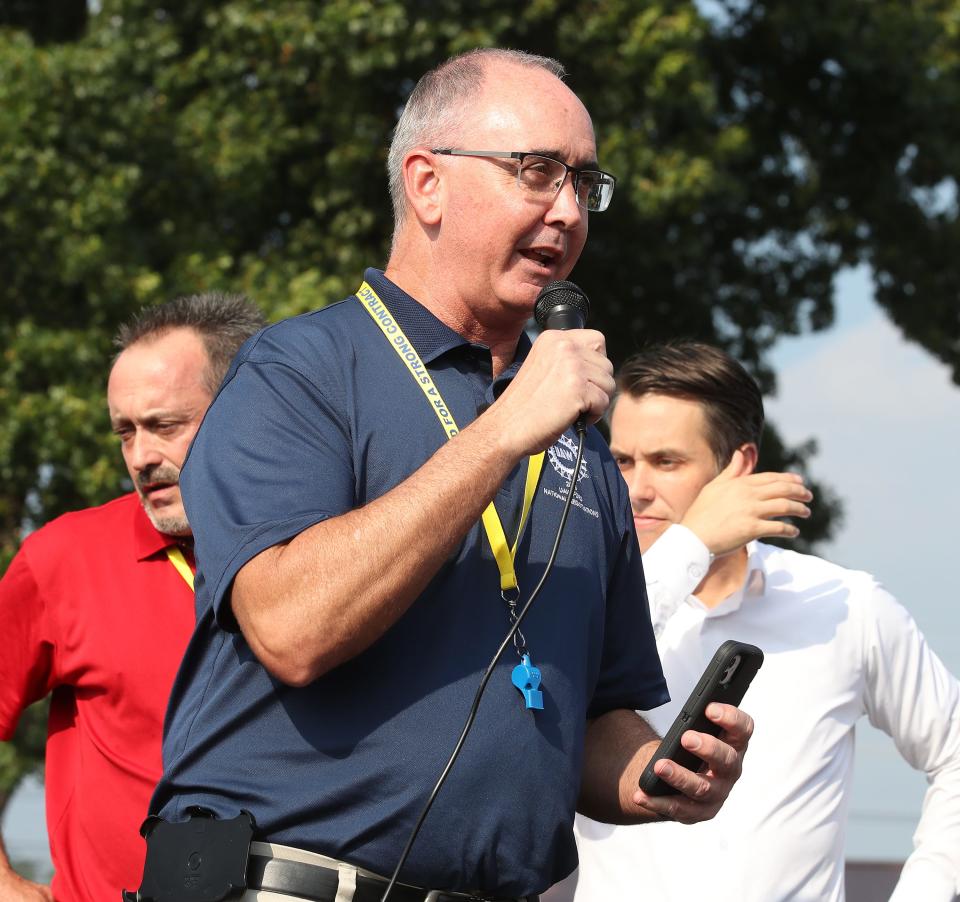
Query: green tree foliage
pixel 155 148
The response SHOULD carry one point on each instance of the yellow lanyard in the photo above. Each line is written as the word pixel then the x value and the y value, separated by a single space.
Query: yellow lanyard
pixel 502 552
pixel 180 562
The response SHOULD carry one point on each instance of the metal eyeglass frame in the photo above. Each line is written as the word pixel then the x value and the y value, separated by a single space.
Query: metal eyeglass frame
pixel 605 178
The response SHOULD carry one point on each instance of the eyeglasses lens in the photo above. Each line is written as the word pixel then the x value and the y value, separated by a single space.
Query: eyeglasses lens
pixel 543 177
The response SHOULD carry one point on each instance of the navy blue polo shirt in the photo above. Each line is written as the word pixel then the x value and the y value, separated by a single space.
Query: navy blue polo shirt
pixel 317 416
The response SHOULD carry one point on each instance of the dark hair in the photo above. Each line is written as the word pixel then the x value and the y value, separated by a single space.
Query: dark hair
pixel 223 322
pixel 731 399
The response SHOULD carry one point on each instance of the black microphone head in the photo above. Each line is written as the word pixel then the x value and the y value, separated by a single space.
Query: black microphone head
pixel 561 305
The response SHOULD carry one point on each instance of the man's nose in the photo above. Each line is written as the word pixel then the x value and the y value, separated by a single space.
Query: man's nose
pixel 143 452
pixel 565 210
pixel 641 486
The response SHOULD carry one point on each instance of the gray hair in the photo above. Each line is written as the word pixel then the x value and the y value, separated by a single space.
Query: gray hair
pixel 223 322
pixel 436 108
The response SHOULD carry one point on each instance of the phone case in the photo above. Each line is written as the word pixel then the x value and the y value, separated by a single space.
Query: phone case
pixel 718 684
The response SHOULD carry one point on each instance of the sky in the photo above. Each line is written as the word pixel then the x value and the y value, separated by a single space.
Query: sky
pixel 887 419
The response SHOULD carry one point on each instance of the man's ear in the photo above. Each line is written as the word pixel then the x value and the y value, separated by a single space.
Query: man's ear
pixel 422 183
pixel 750 455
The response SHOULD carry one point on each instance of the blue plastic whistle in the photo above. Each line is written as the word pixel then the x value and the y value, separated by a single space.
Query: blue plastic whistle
pixel 526 678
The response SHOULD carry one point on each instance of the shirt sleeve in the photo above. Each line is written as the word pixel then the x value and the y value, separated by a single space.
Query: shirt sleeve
pixel 631 676
pixel 27 660
pixel 911 696
pixel 673 568
pixel 271 459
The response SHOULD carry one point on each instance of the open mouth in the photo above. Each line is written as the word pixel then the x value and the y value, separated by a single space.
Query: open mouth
pixel 541 256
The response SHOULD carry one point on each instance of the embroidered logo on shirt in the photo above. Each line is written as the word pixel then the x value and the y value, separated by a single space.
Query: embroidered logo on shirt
pixel 562 457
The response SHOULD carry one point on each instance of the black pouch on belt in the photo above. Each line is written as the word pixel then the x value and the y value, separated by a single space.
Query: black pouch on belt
pixel 202 859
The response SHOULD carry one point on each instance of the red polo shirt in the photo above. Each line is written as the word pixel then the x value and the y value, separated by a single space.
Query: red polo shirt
pixel 92 610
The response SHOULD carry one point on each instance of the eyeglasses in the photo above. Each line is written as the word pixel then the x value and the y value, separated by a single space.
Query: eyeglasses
pixel 543 177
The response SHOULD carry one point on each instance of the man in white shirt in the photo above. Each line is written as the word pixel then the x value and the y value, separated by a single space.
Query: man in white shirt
pixel 685 431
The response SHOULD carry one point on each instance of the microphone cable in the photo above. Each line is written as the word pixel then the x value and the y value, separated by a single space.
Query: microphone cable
pixel 581 432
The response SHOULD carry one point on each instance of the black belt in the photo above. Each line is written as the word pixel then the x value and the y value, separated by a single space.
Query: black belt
pixel 319 884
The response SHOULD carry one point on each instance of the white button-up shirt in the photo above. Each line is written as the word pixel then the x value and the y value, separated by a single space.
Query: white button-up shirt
pixel 837 647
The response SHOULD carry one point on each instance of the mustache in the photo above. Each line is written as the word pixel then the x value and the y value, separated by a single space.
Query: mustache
pixel 158 474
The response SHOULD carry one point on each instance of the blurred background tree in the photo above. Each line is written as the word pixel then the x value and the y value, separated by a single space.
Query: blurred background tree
pixel 154 148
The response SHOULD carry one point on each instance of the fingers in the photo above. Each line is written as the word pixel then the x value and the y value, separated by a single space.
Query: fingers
pixel 766 476
pixel 770 495
pixel 587 381
pixel 690 783
pixel 780 507
pixel 733 509
pixel 587 373
pixel 702 793
pixel 599 390
pixel 780 529
pixel 565 376
pixel 737 724
pixel 779 485
pixel 732 469
pixel 591 338
pixel 786 508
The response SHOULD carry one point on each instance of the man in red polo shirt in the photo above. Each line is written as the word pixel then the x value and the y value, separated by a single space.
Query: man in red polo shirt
pixel 97 606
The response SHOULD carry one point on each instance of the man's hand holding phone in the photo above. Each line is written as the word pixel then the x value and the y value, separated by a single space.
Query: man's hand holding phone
pixel 701 755
pixel 700 794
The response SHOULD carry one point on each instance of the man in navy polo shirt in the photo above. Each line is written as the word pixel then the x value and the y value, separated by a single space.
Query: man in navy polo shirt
pixel 348 596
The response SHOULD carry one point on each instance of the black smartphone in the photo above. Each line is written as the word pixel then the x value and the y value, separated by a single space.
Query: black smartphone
pixel 725 680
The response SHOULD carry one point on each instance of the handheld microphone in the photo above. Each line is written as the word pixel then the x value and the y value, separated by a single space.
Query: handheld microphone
pixel 562 305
